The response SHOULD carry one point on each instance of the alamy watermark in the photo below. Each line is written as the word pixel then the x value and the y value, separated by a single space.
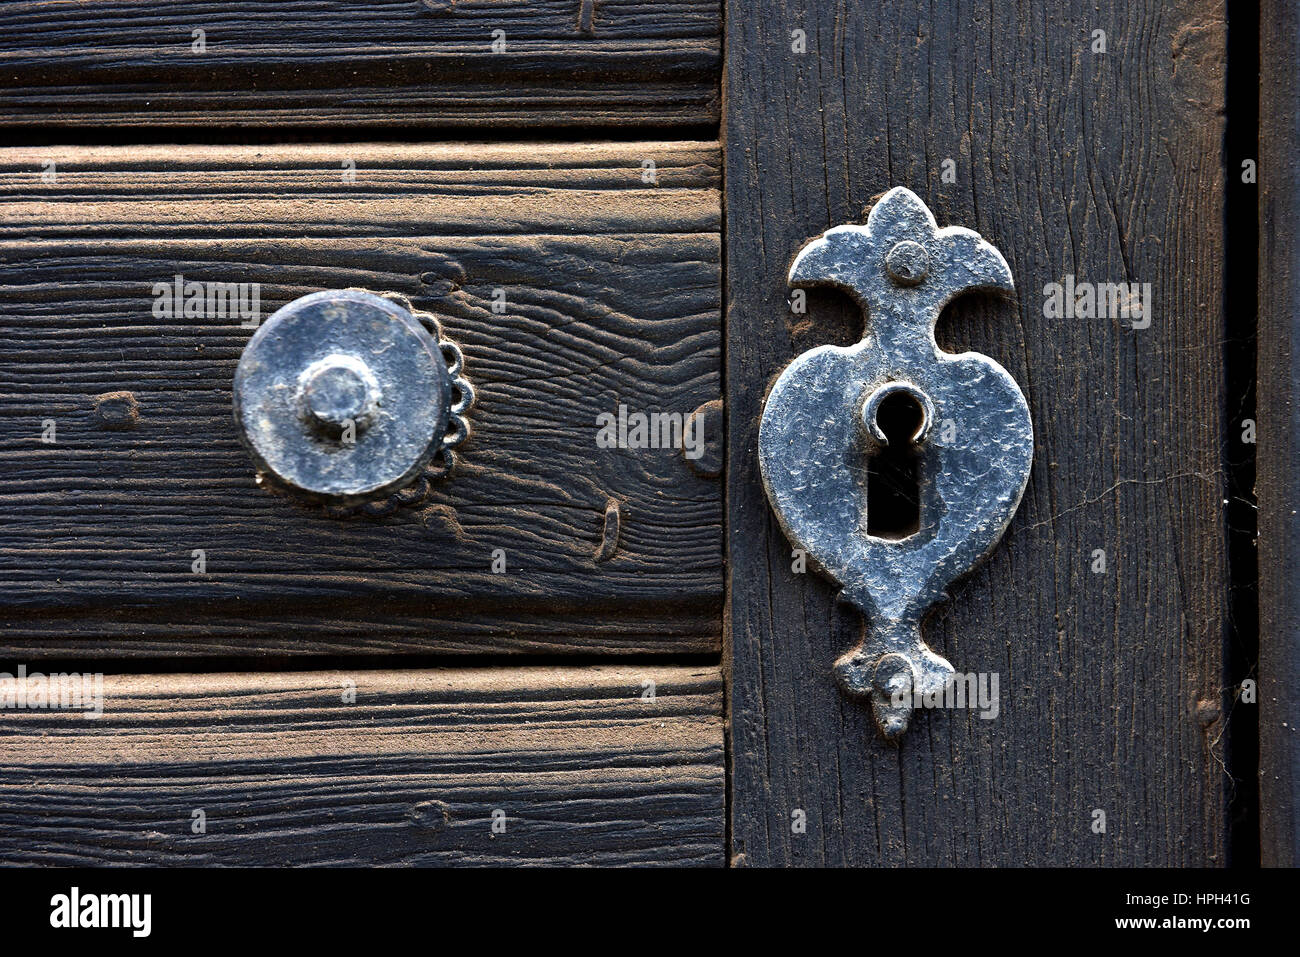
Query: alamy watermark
pixel 76 909
pixel 651 430
pixel 976 691
pixel 33 691
pixel 1073 299
pixel 190 299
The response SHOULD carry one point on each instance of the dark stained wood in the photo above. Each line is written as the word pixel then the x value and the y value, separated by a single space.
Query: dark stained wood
pixel 612 296
pixel 1105 166
pixel 585 766
pixel 305 63
pixel 1278 447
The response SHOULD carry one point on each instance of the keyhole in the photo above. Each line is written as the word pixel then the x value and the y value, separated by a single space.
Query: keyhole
pixel 894 469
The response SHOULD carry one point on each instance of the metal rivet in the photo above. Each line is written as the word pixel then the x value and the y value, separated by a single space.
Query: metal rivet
pixel 337 391
pixel 892 689
pixel 907 263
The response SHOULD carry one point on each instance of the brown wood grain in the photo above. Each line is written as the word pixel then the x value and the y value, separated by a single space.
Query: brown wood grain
pixel 585 764
pixel 612 296
pixel 1278 442
pixel 1105 166
pixel 133 63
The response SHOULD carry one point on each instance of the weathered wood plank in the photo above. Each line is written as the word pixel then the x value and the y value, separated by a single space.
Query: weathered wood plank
pixel 1107 166
pixel 586 767
pixel 305 63
pixel 611 292
pixel 1278 448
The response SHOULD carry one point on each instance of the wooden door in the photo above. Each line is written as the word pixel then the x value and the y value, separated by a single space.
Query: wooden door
pixel 572 653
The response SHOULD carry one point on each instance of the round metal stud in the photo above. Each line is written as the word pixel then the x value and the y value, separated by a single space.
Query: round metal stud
pixel 907 263
pixel 343 395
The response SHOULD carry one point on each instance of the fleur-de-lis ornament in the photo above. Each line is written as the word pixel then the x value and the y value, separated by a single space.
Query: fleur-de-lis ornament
pixel 974 442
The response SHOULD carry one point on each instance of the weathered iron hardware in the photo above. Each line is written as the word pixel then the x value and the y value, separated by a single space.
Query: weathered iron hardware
pixel 348 397
pixel 969 429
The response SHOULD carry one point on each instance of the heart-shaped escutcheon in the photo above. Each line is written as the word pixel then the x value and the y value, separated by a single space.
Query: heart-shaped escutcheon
pixel 832 414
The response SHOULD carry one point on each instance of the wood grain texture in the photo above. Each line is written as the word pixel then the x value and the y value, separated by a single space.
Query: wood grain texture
pixel 1105 166
pixel 586 769
pixel 612 296
pixel 1278 446
pixel 133 63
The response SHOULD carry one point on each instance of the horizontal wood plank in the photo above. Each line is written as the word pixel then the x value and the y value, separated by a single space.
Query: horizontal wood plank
pixel 138 63
pixel 611 287
pixel 599 765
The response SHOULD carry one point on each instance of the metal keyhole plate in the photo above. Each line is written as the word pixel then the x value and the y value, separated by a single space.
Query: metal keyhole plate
pixel 975 442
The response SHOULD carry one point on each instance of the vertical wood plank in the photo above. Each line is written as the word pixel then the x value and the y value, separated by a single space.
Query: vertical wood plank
pixel 1104 166
pixel 1278 450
